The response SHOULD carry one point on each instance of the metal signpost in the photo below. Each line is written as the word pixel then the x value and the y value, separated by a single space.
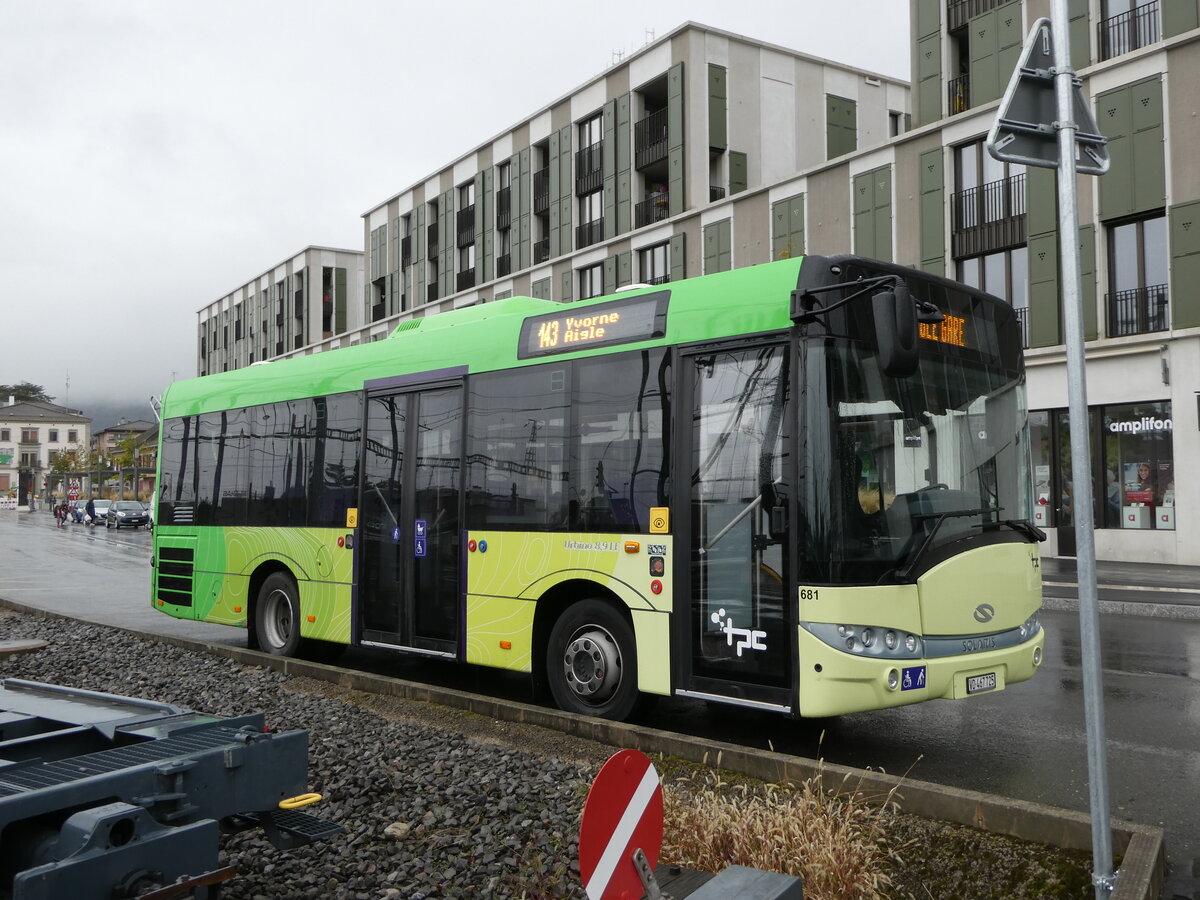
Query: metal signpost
pixel 1045 121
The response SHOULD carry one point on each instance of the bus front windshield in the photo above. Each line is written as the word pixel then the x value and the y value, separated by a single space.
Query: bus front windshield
pixel 899 469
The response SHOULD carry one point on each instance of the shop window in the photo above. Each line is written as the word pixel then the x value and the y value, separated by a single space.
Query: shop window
pixel 1139 467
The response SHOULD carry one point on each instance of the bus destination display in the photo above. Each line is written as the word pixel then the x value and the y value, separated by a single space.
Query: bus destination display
pixel 951 330
pixel 603 325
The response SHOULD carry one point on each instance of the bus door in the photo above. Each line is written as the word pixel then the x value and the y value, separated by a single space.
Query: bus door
pixel 409 566
pixel 742 616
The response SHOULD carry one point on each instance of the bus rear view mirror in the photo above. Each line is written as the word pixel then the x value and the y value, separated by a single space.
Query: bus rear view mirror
pixel 896 331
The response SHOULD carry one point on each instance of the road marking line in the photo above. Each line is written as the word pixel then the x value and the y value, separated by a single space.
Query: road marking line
pixel 1125 587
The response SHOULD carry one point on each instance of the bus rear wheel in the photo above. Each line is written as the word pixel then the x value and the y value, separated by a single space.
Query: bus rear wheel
pixel 591 662
pixel 277 615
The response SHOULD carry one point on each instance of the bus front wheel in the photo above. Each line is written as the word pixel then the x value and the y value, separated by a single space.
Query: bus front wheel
pixel 591 662
pixel 277 615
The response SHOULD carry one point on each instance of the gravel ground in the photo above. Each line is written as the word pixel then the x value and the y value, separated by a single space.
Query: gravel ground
pixel 439 803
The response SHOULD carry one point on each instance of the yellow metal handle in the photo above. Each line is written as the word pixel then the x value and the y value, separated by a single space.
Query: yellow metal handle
pixel 297 802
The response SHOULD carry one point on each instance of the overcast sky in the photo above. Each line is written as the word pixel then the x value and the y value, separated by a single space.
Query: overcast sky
pixel 156 155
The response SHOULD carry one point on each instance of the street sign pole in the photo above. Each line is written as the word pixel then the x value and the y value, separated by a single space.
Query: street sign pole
pixel 1081 464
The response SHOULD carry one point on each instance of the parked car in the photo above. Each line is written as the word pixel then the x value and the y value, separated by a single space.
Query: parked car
pixel 126 512
pixel 78 510
pixel 101 507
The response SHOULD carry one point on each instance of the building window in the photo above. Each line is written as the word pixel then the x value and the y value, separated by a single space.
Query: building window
pixel 1127 26
pixel 1137 271
pixel 29 435
pixel 53 436
pixel 72 436
pixel 5 434
pixel 1004 275
pixel 1139 467
pixel 591 219
pixel 591 281
pixel 988 204
pixel 654 264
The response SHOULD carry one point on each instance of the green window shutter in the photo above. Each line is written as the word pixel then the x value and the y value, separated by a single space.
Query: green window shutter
pixel 718 252
pixel 1149 162
pixel 1184 225
pixel 624 156
pixel 339 299
pixel 624 268
pixel 1087 279
pixel 933 207
pixel 717 133
pixel 566 197
pixel 1044 315
pixel 676 199
pixel 882 212
pixel 725 233
pixel 610 275
pixel 521 171
pixel 555 173
pixel 929 17
pixel 1041 200
pixel 565 295
pixel 540 289
pixel 419 228
pixel 1178 16
pixel 608 166
pixel 841 126
pixel 1113 116
pixel 737 172
pixel 710 249
pixel 1080 33
pixel 864 214
pixel 1010 38
pixel 787 228
pixel 678 256
pixel 446 245
pixel 929 79
pixel 984 68
pixel 484 219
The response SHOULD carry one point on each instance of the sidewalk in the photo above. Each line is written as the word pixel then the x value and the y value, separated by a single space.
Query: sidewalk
pixel 1126 588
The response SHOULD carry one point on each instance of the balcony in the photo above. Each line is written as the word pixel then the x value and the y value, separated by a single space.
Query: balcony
pixel 541 250
pixel 988 218
pixel 431 292
pixel 658 279
pixel 715 193
pixel 1023 324
pixel 1138 311
pixel 431 241
pixel 279 348
pixel 1129 31
pixel 504 207
pixel 466 226
pixel 959 12
pixel 503 265
pixel 589 233
pixel 298 305
pixel 959 94
pixel 406 250
pixel 588 165
pixel 650 139
pixel 464 281
pixel 653 209
pixel 541 191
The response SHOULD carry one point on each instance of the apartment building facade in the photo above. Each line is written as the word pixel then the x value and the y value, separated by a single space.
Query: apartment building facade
pixel 33 435
pixel 308 298
pixel 996 226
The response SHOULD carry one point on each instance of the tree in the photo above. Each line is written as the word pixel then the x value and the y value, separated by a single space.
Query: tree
pixel 25 392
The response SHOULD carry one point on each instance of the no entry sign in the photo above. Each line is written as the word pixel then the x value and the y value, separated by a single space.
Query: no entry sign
pixel 623 813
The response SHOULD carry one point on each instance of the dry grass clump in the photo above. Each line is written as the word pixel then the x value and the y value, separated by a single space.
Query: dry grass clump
pixel 836 841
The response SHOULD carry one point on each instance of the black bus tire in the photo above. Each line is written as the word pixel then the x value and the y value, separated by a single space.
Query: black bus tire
pixel 277 615
pixel 591 661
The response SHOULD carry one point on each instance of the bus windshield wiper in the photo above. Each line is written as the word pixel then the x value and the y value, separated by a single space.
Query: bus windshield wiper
pixel 1021 526
pixel 909 564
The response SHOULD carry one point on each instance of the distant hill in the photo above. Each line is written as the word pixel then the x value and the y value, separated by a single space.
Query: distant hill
pixel 106 413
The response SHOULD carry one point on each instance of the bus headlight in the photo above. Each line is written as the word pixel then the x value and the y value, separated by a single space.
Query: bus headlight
pixel 867 640
pixel 1031 626
pixel 893 679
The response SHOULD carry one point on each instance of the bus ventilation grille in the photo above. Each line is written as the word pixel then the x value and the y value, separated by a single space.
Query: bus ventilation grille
pixel 408 326
pixel 175 569
pixel 183 515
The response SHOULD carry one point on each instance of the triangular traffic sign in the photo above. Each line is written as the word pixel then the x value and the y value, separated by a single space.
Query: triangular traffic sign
pixel 1024 130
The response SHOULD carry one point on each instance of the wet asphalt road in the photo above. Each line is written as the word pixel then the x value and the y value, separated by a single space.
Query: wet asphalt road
pixel 1026 742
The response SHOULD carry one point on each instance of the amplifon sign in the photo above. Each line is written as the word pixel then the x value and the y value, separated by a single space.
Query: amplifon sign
pixel 1137 426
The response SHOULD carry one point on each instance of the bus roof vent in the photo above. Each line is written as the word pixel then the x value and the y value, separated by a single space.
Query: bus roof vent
pixel 410 325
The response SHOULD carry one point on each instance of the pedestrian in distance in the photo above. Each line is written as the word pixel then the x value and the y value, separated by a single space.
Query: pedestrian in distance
pixel 90 509
pixel 60 515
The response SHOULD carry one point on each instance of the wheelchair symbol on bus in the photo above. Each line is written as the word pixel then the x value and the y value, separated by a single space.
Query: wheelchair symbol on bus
pixel 913 678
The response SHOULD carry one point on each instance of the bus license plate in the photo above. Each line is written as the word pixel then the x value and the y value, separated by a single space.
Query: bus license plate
pixel 978 684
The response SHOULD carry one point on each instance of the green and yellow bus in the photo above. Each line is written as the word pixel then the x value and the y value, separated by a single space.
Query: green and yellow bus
pixel 801 487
